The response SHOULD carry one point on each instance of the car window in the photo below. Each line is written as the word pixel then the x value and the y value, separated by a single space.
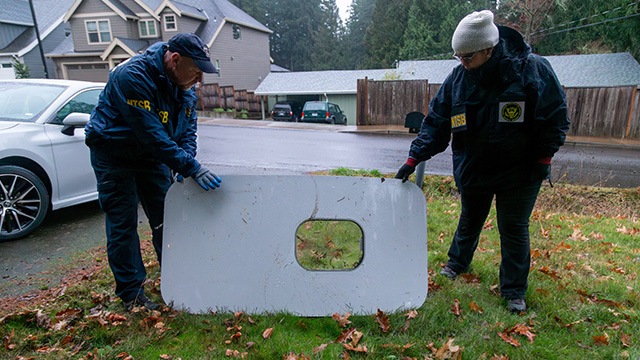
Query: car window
pixel 281 107
pixel 81 103
pixel 314 106
pixel 23 101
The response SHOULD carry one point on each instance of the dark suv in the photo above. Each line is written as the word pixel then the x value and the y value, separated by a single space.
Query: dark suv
pixel 323 111
pixel 287 111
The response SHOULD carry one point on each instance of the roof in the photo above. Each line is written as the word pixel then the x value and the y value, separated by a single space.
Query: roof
pixel 316 82
pixel 15 12
pixel 49 14
pixel 593 70
pixel 278 68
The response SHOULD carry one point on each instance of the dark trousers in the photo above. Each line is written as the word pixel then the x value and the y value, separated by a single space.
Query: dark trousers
pixel 121 185
pixel 513 207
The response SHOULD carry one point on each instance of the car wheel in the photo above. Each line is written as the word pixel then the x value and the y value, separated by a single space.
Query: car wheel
pixel 345 122
pixel 24 202
pixel 333 121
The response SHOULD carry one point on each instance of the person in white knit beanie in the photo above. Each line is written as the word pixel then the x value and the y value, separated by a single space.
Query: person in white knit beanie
pixel 474 39
pixel 504 113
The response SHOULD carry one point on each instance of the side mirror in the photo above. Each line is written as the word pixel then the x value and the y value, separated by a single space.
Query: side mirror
pixel 72 121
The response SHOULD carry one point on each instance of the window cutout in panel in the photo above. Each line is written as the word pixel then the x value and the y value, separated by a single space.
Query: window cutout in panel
pixel 329 245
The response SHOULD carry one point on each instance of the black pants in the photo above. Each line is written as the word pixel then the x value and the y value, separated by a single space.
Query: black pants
pixel 121 185
pixel 514 207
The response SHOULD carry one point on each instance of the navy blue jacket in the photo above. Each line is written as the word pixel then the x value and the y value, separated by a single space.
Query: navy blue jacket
pixel 502 118
pixel 142 115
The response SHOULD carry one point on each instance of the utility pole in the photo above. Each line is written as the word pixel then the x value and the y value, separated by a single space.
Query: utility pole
pixel 35 24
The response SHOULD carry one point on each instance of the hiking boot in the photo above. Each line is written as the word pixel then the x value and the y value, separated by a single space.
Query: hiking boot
pixel 140 300
pixel 517 306
pixel 449 273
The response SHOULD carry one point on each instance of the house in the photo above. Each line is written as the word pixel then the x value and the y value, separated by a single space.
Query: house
pixel 336 86
pixel 18 38
pixel 573 71
pixel 107 32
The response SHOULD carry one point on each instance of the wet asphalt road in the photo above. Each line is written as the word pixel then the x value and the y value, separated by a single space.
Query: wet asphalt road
pixel 228 149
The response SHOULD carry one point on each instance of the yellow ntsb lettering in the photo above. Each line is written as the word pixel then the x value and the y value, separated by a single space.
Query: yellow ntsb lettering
pixel 143 104
pixel 164 116
pixel 458 120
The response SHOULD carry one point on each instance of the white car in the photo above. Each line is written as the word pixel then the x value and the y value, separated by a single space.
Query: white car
pixel 44 162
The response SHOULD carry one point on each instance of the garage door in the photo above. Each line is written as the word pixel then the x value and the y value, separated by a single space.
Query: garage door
pixel 6 71
pixel 88 72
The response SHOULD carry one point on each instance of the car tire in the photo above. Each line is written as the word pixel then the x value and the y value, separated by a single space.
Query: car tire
pixel 332 121
pixel 345 122
pixel 24 202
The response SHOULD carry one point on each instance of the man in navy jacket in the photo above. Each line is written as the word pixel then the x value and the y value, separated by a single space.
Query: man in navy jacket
pixel 143 128
pixel 505 113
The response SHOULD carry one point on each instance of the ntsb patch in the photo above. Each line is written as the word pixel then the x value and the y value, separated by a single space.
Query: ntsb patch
pixel 459 122
pixel 511 112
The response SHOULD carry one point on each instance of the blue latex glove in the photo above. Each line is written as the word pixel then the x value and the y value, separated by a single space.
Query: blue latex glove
pixel 179 178
pixel 205 178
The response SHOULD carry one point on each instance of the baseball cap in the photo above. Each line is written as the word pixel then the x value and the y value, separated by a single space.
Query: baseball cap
pixel 190 45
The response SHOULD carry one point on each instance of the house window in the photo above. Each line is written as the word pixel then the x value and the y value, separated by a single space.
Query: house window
pixel 237 33
pixel 170 23
pixel 148 28
pixel 98 31
pixel 7 66
pixel 218 66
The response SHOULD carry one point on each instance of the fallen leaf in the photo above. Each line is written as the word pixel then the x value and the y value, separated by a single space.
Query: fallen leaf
pixel 573 323
pixel 343 321
pixel 345 334
pixel 471 278
pixel 360 348
pixel 524 330
pixel 455 308
pixel 626 340
pixel 320 348
pixel 411 314
pixel 601 340
pixel 554 275
pixel 267 333
pixel 475 307
pixel 509 340
pixel 355 338
pixel 448 351
pixel 383 320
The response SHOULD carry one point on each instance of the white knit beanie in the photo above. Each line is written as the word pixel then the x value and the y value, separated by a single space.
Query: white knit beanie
pixel 475 32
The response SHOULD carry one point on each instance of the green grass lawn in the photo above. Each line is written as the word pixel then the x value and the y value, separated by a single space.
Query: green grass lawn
pixel 583 298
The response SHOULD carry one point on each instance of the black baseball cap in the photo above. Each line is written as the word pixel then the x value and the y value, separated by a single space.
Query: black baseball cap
pixel 190 45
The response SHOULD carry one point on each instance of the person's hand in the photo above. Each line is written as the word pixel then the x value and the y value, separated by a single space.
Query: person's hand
pixel 539 171
pixel 205 178
pixel 176 177
pixel 405 171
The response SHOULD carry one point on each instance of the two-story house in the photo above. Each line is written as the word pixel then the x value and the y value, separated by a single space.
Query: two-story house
pixel 107 32
pixel 18 38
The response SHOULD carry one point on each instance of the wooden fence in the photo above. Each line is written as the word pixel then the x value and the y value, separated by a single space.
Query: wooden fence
pixel 212 96
pixel 604 112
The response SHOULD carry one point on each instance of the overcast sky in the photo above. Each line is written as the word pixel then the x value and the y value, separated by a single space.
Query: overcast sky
pixel 343 5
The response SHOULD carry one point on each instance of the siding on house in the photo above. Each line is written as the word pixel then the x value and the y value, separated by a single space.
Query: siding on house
pixel 8 32
pixel 166 35
pixel 33 57
pixel 237 58
pixel 119 27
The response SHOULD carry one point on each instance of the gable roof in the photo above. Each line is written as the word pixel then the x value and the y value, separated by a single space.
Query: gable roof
pixel 48 18
pixel 316 82
pixel 15 12
pixel 593 70
pixel 213 13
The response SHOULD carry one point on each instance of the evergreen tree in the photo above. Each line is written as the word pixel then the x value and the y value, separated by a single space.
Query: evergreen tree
pixel 328 50
pixel 385 38
pixel 360 17
pixel 21 69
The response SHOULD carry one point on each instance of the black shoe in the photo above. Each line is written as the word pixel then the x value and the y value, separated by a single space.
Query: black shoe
pixel 517 306
pixel 140 300
pixel 449 273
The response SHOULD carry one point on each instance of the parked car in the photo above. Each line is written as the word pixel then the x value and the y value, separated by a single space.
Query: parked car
pixel 323 111
pixel 286 111
pixel 44 162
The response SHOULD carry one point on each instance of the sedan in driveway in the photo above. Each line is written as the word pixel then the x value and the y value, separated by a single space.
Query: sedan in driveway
pixel 44 162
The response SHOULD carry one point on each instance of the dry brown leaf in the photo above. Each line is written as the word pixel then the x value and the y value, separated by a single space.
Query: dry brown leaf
pixel 500 357
pixel 355 338
pixel 455 308
pixel 360 348
pixel 383 320
pixel 574 323
pixel 509 340
pixel 601 340
pixel 320 348
pixel 345 334
pixel 449 351
pixel 475 307
pixel 471 278
pixel 626 340
pixel 343 321
pixel 267 333
pixel 411 314
pixel 524 330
